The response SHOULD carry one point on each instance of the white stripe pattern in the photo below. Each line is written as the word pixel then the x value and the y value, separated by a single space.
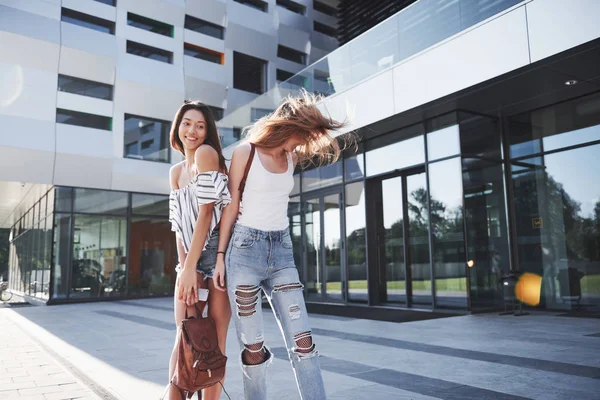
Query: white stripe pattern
pixel 206 187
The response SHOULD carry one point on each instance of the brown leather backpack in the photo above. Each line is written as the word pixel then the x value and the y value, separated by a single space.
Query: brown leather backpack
pixel 200 363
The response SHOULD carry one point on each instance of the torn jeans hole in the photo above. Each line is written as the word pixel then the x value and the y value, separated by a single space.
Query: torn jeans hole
pixel 246 298
pixel 255 355
pixel 286 287
pixel 305 348
pixel 294 311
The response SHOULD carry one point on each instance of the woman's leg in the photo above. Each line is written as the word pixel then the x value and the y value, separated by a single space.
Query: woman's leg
pixel 284 291
pixel 220 312
pixel 179 307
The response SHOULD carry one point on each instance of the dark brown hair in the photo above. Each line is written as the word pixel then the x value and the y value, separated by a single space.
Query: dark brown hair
pixel 299 116
pixel 212 135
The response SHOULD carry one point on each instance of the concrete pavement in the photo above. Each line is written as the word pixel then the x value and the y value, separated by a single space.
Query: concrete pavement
pixel 120 350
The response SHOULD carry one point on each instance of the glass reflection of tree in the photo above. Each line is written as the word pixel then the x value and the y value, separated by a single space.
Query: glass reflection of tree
pixel 565 234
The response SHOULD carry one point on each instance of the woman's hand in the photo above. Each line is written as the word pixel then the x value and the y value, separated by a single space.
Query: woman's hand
pixel 188 286
pixel 219 274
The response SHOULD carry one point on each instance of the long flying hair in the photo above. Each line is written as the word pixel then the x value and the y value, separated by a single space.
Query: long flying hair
pixel 212 135
pixel 299 116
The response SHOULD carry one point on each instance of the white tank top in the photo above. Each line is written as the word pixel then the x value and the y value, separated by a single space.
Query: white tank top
pixel 266 197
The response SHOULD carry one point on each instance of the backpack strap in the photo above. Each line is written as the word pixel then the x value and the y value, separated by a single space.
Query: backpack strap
pixel 248 165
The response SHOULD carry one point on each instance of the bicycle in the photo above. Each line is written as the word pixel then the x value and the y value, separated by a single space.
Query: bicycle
pixel 5 295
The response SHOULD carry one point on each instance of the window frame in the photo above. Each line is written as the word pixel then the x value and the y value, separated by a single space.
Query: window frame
pixel 158 51
pixel 202 51
pixel 292 6
pixel 133 19
pixel 258 5
pixel 303 56
pixel 86 116
pixel 166 126
pixel 248 58
pixel 189 19
pixel 84 82
pixel 88 21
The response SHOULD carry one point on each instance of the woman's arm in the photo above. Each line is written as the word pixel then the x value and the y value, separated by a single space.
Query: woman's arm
pixel 206 159
pixel 230 213
pixel 173 179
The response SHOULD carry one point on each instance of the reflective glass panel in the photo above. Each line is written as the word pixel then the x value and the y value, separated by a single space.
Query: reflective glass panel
pixel 100 201
pixel 99 257
pixel 152 257
pixel 443 143
pixel 356 242
pixel 557 211
pixel 150 204
pixel 332 242
pixel 313 282
pixel 418 239
pixel 396 156
pixel 60 262
pixel 326 175
pixel 447 225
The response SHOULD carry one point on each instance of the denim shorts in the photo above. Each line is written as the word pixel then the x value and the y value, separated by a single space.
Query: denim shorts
pixel 208 258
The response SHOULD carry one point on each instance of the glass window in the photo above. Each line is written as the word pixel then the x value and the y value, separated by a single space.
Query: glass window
pixel 84 87
pixel 319 177
pixel 558 224
pixel 149 24
pixel 426 23
pixel 291 55
pixel 480 137
pixel 96 201
pixel 292 6
pixel 150 204
pixel 217 112
pixel 152 257
pixel 283 75
pixel 567 124
pixel 324 29
pixel 396 156
pixel 83 119
pixel 355 167
pixel 324 8
pixel 258 113
pixel 443 143
pixel 203 54
pixel 99 257
pixel 256 4
pixel 296 189
pixel 64 200
pixel 447 231
pixel 486 230
pixel 356 242
pixel 249 73
pixel 87 21
pixel 150 52
pixel 142 129
pixel 229 136
pixel 295 218
pixel 60 262
pixel 204 27
pixel 418 239
pixel 108 2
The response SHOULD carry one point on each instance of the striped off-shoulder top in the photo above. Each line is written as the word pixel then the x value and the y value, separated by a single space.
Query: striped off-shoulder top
pixel 205 188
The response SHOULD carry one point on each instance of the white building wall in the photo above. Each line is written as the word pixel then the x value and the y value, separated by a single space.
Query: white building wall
pixel 36 46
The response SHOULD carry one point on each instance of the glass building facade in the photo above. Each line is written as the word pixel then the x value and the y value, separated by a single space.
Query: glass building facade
pixel 436 214
pixel 84 244
pixel 428 216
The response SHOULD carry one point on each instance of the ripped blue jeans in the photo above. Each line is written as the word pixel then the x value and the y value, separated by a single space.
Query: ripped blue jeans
pixel 258 260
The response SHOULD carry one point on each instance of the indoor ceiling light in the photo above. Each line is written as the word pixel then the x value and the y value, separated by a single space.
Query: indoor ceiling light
pixel 571 82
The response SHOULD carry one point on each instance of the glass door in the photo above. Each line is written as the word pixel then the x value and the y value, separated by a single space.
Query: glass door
pixel 325 269
pixel 401 224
